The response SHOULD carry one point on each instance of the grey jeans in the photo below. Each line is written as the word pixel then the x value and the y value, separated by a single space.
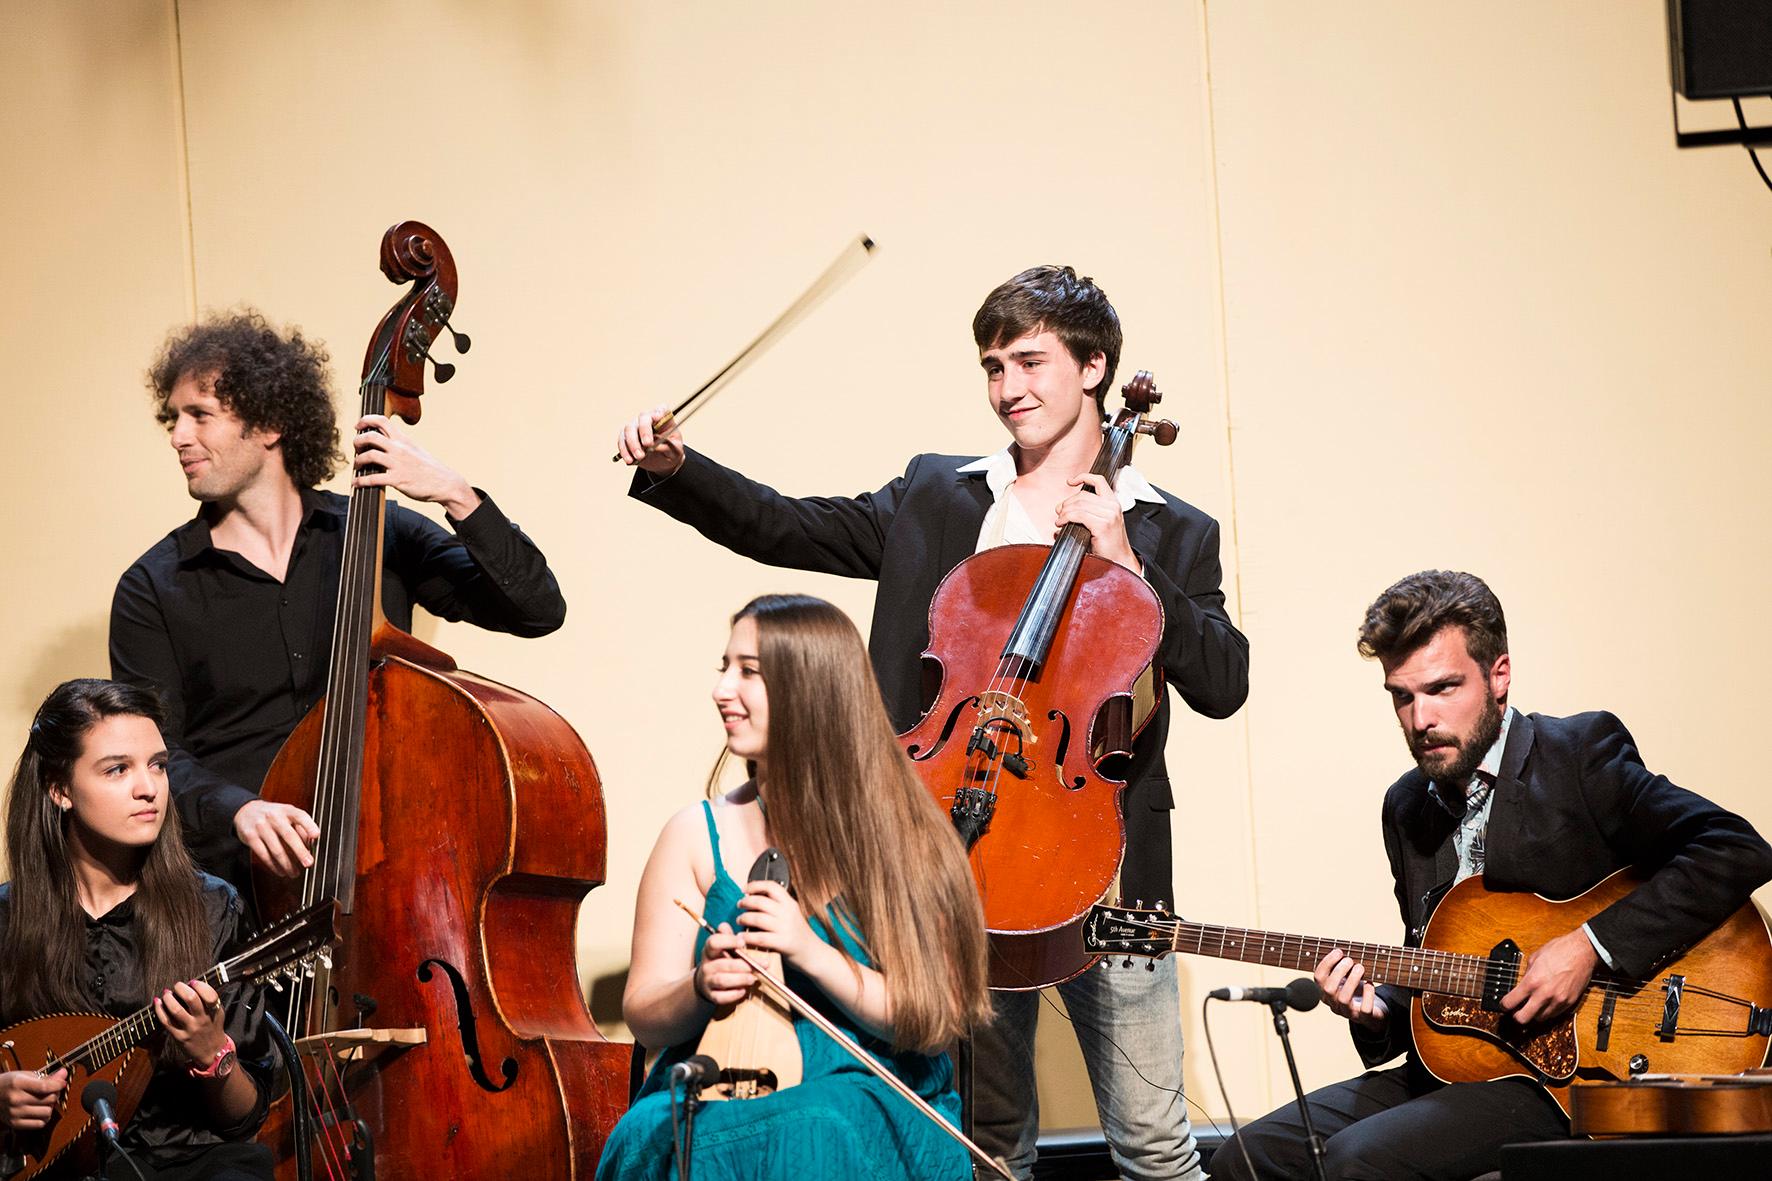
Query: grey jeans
pixel 1128 1025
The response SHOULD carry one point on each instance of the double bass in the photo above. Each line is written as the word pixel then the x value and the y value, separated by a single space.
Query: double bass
pixel 1041 652
pixel 462 824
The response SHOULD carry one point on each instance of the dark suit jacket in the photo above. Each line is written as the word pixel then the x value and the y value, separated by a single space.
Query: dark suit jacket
pixel 910 533
pixel 1573 802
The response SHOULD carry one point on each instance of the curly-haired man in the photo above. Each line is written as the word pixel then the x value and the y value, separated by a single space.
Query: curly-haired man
pixel 230 615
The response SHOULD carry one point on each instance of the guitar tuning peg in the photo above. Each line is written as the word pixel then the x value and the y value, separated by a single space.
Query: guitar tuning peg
pixel 307 969
pixel 276 983
pixel 326 960
pixel 1139 905
pixel 1159 905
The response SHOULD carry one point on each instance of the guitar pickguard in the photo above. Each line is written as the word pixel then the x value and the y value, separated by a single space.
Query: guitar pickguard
pixel 1550 1052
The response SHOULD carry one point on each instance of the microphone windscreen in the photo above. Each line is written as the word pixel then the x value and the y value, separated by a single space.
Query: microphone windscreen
pixel 1303 994
pixel 96 1090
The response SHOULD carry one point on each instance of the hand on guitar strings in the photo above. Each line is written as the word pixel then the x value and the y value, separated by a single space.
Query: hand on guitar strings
pixel 1554 978
pixel 1345 991
pixel 28 1099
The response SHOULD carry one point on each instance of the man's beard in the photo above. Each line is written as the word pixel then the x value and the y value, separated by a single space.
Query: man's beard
pixel 1469 751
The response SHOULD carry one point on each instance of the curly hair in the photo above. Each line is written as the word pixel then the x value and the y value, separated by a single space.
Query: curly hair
pixel 1413 610
pixel 273 381
pixel 1058 300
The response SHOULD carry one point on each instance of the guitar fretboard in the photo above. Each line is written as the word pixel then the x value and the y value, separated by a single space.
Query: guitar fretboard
pixel 1408 967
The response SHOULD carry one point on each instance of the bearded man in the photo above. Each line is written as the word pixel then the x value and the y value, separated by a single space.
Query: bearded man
pixel 1533 803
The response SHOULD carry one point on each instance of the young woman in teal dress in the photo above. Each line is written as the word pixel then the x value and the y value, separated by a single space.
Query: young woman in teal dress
pixel 883 931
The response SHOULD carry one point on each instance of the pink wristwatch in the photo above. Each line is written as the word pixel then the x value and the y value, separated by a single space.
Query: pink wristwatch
pixel 222 1065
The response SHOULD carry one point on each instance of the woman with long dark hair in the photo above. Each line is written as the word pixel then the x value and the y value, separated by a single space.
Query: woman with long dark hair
pixel 882 932
pixel 106 913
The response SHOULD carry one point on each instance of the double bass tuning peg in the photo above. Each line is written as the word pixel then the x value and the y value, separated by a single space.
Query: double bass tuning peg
pixel 461 339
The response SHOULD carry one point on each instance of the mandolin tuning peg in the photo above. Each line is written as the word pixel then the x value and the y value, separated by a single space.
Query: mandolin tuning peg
pixel 1159 905
pixel 276 983
pixel 1139 905
pixel 326 960
pixel 1150 965
pixel 1127 963
pixel 462 341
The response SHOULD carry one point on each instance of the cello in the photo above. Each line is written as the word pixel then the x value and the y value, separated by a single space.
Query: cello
pixel 462 824
pixel 1040 651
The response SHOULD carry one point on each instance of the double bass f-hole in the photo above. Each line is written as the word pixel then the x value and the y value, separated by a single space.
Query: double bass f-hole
pixel 467 1028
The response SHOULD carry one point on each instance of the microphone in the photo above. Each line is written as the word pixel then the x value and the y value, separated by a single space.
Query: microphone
pixel 695 1072
pixel 1302 994
pixel 100 1101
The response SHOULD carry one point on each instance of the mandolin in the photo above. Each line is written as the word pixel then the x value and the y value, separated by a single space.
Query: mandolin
pixel 94 1046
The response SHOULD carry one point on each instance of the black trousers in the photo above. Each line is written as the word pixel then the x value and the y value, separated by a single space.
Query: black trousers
pixel 1379 1127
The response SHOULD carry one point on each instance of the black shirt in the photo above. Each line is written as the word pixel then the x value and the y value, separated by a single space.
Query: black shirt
pixel 239 658
pixel 173 1122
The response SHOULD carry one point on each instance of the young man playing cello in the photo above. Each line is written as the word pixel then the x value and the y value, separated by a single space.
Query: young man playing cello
pixel 1049 342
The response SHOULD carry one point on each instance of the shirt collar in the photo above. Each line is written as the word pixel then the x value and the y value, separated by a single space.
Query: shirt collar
pixel 999 472
pixel 194 539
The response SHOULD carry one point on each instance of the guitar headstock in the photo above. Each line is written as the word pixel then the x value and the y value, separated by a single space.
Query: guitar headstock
pixel 1126 930
pixel 286 947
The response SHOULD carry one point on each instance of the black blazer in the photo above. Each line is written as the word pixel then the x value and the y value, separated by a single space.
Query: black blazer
pixel 1573 802
pixel 910 533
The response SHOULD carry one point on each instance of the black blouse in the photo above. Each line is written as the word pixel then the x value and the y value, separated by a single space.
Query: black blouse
pixel 173 1123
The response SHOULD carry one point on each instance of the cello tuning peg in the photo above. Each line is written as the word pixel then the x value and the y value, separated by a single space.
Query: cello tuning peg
pixel 1163 431
pixel 462 341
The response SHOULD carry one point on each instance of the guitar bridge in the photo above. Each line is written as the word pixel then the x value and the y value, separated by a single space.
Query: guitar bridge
pixel 1670 1008
pixel 1502 973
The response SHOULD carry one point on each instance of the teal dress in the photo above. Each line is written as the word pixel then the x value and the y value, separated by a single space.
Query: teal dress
pixel 839 1121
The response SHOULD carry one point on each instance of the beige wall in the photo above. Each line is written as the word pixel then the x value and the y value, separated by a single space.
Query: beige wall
pixel 1425 285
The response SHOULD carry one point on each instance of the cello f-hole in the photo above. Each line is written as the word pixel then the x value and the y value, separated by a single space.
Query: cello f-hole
pixel 465 1024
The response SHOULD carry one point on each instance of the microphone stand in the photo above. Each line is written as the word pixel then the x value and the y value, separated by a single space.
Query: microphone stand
pixel 1284 1029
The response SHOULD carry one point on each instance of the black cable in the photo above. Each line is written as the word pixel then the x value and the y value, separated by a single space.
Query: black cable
pixel 1223 1091
pixel 1178 1092
pixel 119 1150
pixel 300 1108
pixel 1753 155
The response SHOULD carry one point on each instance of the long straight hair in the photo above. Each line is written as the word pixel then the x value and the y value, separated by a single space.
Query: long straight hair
pixel 42 962
pixel 857 826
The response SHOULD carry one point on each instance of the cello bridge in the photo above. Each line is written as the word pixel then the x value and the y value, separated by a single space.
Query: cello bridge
pixel 994 706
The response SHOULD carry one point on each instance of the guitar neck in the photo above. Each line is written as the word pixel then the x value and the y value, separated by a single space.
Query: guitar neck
pixel 127 1034
pixel 1408 967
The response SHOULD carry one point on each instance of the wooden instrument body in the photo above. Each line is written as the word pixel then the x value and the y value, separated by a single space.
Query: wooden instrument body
pixel 69 1145
pixel 481 830
pixel 1459 1041
pixel 757 1030
pixel 1708 1105
pixel 1056 837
